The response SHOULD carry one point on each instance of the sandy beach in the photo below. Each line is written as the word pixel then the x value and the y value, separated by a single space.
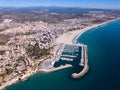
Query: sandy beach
pixel 15 80
pixel 67 38
pixel 71 38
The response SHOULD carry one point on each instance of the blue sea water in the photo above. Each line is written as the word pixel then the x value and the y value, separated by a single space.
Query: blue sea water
pixel 104 61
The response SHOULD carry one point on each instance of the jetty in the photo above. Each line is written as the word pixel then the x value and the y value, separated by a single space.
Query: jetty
pixel 86 67
pixel 54 69
pixel 69 54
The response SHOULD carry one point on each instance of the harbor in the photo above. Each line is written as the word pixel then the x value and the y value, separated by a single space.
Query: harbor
pixel 84 62
pixel 67 56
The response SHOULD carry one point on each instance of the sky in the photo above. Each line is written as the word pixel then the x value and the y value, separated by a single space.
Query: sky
pixel 62 3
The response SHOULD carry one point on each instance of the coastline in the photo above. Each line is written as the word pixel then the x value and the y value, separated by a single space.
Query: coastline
pixel 67 38
pixel 71 38
pixel 17 79
pixel 74 41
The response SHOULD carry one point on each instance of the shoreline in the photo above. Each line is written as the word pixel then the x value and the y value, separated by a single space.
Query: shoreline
pixel 67 38
pixel 74 41
pixel 71 38
pixel 17 79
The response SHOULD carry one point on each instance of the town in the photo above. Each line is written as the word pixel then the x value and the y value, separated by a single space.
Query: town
pixel 26 46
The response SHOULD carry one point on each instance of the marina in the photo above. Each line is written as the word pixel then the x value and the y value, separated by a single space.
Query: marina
pixel 107 71
pixel 59 45
pixel 69 55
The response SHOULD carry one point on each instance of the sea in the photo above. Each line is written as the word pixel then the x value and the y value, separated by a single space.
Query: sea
pixel 104 61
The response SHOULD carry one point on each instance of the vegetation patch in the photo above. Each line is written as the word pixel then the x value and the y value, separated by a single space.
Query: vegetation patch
pixel 4 39
pixel 2 52
pixel 36 52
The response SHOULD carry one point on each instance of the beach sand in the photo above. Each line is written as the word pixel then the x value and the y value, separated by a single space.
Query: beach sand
pixel 67 38
pixel 15 80
pixel 71 39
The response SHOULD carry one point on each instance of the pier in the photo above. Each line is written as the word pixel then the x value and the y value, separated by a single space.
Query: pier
pixel 66 56
pixel 86 67
pixel 54 69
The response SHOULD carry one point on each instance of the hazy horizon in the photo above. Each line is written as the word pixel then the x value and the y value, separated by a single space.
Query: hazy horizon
pixel 102 4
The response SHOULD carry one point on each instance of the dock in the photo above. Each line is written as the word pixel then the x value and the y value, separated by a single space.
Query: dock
pixel 67 54
pixel 86 67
